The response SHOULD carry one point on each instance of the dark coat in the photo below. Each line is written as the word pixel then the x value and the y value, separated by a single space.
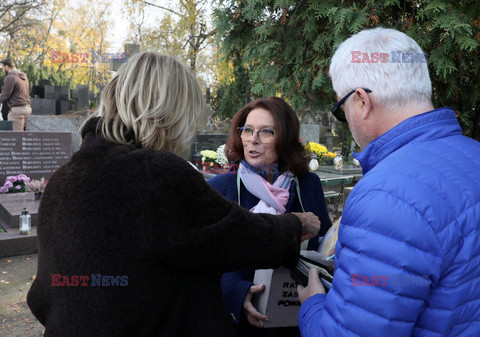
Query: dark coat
pixel 123 211
pixel 235 285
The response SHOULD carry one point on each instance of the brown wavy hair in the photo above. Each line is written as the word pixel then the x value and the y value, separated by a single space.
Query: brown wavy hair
pixel 291 153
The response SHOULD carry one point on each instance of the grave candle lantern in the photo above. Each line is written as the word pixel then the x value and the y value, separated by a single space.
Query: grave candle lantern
pixel 25 222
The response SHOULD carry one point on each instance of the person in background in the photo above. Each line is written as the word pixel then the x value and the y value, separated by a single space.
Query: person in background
pixel 132 240
pixel 15 92
pixel 408 256
pixel 270 175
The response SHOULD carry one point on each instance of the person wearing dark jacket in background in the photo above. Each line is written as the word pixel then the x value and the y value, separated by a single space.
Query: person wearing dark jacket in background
pixel 132 240
pixel 15 92
pixel 269 161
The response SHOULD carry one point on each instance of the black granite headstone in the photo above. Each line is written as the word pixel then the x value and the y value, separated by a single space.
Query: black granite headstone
pixel 49 91
pixel 36 154
pixel 38 90
pixel 43 106
pixel 207 142
pixel 43 82
pixel 6 126
pixel 65 106
pixel 81 96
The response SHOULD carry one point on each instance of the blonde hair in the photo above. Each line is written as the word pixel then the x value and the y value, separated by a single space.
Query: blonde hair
pixel 153 101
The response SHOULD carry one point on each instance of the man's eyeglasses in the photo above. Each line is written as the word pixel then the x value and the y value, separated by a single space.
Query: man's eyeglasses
pixel 264 135
pixel 338 112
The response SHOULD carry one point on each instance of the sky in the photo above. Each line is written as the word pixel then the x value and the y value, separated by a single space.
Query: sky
pixel 120 28
pixel 121 24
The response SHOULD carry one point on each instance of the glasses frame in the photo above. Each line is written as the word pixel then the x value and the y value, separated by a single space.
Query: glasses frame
pixel 241 128
pixel 338 113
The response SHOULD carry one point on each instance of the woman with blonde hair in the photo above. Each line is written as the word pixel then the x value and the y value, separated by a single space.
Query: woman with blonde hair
pixel 132 240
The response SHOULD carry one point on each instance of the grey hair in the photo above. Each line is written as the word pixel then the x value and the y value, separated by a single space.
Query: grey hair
pixel 401 81
pixel 155 102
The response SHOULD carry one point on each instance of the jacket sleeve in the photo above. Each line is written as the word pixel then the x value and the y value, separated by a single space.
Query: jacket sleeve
pixel 387 258
pixel 320 206
pixel 202 231
pixel 7 89
pixel 235 286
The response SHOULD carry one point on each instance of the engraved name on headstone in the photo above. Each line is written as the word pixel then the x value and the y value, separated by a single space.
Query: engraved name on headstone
pixel 36 154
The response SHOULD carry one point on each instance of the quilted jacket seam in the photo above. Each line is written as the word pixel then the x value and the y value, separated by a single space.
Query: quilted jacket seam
pixel 439 246
pixel 400 295
pixel 458 306
pixel 340 323
pixel 389 237
pixel 385 318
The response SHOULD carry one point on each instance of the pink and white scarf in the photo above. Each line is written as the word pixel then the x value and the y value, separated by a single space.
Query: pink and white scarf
pixel 273 198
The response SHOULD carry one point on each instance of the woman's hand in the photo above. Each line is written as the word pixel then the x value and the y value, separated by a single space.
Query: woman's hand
pixel 310 224
pixel 314 286
pixel 252 314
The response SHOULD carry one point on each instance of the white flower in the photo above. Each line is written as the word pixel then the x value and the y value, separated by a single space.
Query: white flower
pixel 221 158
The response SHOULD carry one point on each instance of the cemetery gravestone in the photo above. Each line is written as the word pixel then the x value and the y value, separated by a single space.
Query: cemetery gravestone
pixel 6 126
pixel 208 142
pixel 38 91
pixel 36 154
pixel 59 94
pixel 309 133
pixel 70 124
pixel 43 106
pixel 81 96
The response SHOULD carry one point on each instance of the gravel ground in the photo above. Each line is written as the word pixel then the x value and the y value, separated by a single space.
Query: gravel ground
pixel 16 277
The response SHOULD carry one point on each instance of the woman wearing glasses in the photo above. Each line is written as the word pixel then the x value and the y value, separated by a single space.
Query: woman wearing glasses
pixel 270 176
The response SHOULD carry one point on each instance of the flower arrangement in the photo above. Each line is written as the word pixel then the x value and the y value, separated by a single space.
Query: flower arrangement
pixel 329 155
pixel 215 161
pixel 15 184
pixel 37 186
pixel 221 158
pixel 317 150
pixel 209 156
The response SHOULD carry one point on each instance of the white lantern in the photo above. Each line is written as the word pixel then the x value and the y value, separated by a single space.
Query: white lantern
pixel 25 222
pixel 338 162
pixel 313 164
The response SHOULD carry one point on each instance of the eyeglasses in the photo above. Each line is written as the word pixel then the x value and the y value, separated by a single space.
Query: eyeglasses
pixel 264 135
pixel 340 113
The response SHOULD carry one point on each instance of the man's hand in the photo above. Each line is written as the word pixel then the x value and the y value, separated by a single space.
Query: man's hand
pixel 314 286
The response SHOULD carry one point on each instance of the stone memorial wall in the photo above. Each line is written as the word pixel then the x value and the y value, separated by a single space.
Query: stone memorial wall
pixel 64 123
pixel 36 154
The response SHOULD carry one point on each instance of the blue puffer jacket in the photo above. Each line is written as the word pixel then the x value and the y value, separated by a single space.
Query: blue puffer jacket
pixel 408 255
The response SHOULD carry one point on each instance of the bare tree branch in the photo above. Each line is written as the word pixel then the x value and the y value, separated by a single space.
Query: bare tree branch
pixel 165 8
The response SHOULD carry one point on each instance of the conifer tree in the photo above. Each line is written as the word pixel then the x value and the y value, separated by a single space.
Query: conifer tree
pixel 287 45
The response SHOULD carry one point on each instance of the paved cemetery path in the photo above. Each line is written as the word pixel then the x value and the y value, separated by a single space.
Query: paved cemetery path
pixel 16 277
